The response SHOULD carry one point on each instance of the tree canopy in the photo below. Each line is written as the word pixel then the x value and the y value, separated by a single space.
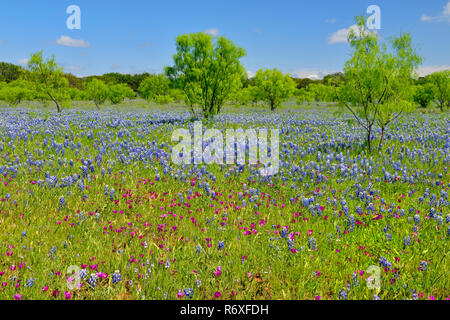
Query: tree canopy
pixel 378 81
pixel 207 69
pixel 273 86
pixel 48 77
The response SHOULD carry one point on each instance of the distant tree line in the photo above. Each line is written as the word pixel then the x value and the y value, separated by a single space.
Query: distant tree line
pixel 376 85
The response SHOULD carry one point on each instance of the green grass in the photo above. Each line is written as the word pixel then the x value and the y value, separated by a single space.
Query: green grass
pixel 268 271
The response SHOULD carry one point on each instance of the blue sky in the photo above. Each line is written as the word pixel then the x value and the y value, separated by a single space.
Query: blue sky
pixel 139 36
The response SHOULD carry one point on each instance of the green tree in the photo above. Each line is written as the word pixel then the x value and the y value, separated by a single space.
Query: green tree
pixel 423 95
pixel 207 69
pixel 333 79
pixel 10 72
pixel 304 95
pixel 441 84
pixel 378 81
pixel 321 92
pixel 243 96
pixel 97 91
pixel 48 78
pixel 17 91
pixel 118 92
pixel 273 86
pixel 76 94
pixel 163 99
pixel 176 94
pixel 74 81
pixel 303 82
pixel 153 86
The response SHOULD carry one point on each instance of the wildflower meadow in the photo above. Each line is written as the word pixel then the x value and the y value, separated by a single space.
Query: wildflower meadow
pixel 145 155
pixel 92 207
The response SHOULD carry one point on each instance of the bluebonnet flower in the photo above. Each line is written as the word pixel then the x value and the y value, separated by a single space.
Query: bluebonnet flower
pixel 351 223
pixel 62 202
pixel 284 232
pixel 116 277
pixel 432 212
pixel 221 245
pixel 52 251
pixel 342 294
pixel 423 266
pixel 198 249
pixel 417 219
pixel 312 243
pixel 111 194
pixel 406 241
pixel 82 274
pixel 355 279
pixel 93 281
pixel 189 293
pixel 80 185
pixel 30 282
pixel 384 262
pixel 291 244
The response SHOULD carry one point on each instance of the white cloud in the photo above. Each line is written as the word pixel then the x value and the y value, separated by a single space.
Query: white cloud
pixel 330 21
pixel 443 16
pixel 23 61
pixel 426 70
pixel 250 74
pixel 426 17
pixel 447 9
pixel 70 42
pixel 2 42
pixel 341 35
pixel 213 32
pixel 313 74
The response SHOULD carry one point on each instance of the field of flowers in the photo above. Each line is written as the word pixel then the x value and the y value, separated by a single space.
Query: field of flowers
pixel 98 191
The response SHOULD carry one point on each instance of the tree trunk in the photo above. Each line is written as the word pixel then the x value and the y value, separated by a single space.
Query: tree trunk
pixel 272 106
pixel 369 132
pixel 56 102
